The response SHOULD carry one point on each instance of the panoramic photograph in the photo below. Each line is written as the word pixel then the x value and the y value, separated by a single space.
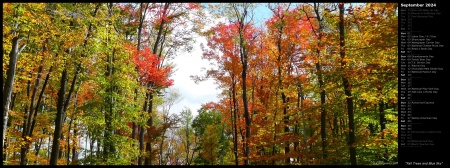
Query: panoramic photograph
pixel 200 83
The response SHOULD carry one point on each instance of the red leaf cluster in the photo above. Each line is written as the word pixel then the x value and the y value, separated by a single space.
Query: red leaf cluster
pixel 194 6
pixel 150 69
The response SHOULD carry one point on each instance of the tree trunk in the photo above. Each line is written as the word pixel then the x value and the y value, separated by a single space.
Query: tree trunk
pixel 74 148
pixel 187 142
pixel 248 122
pixel 235 110
pixel 27 127
pixel 33 98
pixel 98 148
pixel 109 131
pixel 300 106
pixel 40 100
pixel 9 83
pixel 243 53
pixel 142 14
pixel 335 123
pixel 72 119
pixel 71 90
pixel 142 131
pixel 37 147
pixel 148 148
pixel 286 128
pixel 274 139
pixel 68 141
pixel 347 88
pixel 246 114
pixel 296 130
pixel 23 148
pixel 161 149
pixel 59 118
pixel 323 112
pixel 283 96
pixel 383 126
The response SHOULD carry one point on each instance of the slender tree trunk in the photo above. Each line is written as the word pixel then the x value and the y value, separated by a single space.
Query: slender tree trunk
pixel 27 127
pixel 148 148
pixel 335 123
pixel 48 145
pixel 311 134
pixel 40 100
pixel 33 98
pixel 142 131
pixel 192 154
pixel 60 154
pixel 71 90
pixel 133 132
pixel 37 147
pixel 72 119
pixel 240 17
pixel 246 115
pixel 142 13
pixel 134 127
pixel 286 128
pixel 23 148
pixel 274 139
pixel 74 148
pixel 283 95
pixel 187 142
pixel 235 110
pixel 99 144
pixel 383 126
pixel 58 121
pixel 347 88
pixel 161 148
pixel 68 142
pixel 323 112
pixel 248 122
pixel 343 125
pixel 296 131
pixel 300 99
pixel 91 147
pixel 108 108
pixel 109 131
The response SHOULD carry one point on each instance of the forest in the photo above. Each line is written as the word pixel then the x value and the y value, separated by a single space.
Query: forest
pixel 90 84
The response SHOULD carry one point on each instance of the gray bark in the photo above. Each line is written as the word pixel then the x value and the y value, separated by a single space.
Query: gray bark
pixel 9 83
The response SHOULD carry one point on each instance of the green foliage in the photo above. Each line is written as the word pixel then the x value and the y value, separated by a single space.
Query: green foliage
pixel 214 141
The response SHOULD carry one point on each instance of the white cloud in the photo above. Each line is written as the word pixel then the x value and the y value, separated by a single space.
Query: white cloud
pixel 187 64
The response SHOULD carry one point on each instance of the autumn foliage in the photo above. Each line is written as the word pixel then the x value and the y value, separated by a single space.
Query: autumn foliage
pixel 96 80
pixel 150 68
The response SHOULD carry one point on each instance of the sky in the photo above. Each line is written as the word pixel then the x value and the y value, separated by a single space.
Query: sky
pixel 194 95
pixel 190 64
